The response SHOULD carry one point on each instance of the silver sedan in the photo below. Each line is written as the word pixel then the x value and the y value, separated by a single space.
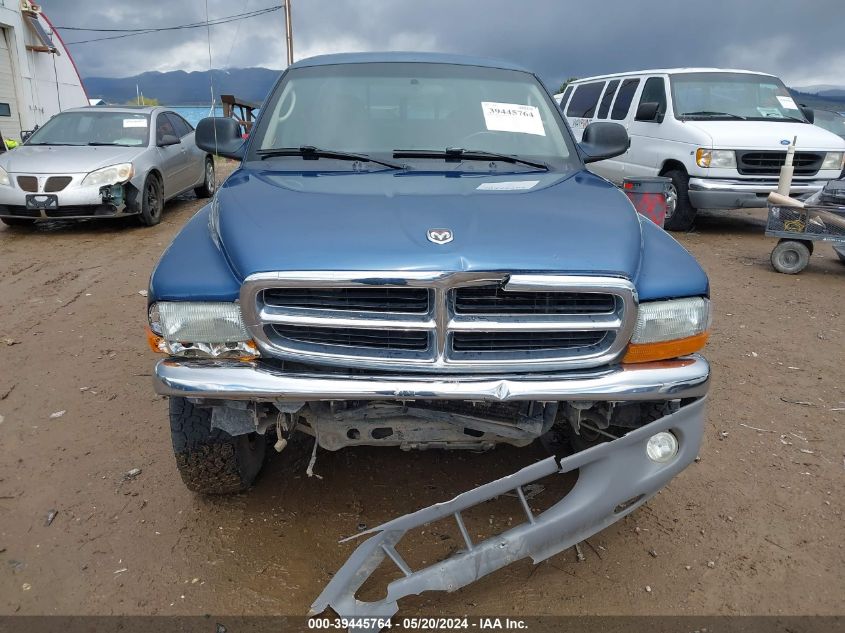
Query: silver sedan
pixel 103 162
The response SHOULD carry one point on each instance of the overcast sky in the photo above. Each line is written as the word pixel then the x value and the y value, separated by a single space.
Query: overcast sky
pixel 802 41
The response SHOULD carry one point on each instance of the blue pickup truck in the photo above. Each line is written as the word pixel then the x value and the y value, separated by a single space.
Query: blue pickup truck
pixel 412 254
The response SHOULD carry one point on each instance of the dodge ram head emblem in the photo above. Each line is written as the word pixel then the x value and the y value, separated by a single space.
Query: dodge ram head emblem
pixel 440 236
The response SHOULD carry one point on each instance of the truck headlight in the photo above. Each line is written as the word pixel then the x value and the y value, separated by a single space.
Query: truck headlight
pixel 201 329
pixel 109 175
pixel 834 160
pixel 4 178
pixel 722 158
pixel 668 329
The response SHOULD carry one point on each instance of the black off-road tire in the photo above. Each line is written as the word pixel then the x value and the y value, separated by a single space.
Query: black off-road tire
pixel 209 185
pixel 151 200
pixel 16 222
pixel 209 460
pixel 683 217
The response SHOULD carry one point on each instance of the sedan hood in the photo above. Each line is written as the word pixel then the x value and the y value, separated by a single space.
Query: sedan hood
pixel 273 221
pixel 768 135
pixel 63 159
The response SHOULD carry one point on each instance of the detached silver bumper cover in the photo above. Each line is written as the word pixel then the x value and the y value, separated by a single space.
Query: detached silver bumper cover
pixel 613 479
pixel 232 380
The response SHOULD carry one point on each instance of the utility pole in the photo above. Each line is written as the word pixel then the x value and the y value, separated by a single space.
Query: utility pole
pixel 288 31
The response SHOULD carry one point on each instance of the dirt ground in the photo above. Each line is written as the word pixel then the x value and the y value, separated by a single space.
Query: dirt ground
pixel 755 527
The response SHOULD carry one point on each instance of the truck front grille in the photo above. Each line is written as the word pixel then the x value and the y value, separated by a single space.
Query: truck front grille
pixel 440 322
pixel 769 163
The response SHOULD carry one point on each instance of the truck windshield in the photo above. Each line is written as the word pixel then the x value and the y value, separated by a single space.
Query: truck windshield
pixel 734 96
pixel 90 127
pixel 375 109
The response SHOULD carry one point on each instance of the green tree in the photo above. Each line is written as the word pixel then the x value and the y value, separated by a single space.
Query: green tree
pixel 566 83
pixel 147 101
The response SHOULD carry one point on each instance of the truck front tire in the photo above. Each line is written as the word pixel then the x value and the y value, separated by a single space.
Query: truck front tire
pixel 682 218
pixel 209 460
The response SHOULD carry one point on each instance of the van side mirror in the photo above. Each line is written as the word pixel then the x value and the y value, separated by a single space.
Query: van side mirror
pixel 649 111
pixel 808 113
pixel 220 136
pixel 602 140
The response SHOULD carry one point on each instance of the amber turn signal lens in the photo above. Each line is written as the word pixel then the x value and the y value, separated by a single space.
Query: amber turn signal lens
pixel 645 352
pixel 154 340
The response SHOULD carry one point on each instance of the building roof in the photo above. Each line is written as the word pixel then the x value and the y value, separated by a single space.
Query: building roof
pixel 406 57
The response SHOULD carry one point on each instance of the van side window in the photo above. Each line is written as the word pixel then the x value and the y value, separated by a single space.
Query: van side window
pixel 624 99
pixel 565 96
pixel 584 101
pixel 607 99
pixel 654 91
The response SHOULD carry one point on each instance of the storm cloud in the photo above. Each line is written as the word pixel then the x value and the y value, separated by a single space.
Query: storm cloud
pixel 800 41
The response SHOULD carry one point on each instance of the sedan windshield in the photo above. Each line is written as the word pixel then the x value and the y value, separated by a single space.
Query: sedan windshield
pixel 416 111
pixel 735 96
pixel 90 127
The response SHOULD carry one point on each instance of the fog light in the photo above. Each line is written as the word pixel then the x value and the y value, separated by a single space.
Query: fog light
pixel 661 447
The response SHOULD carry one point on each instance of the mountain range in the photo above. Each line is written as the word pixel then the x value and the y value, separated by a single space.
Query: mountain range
pixel 182 88
pixel 253 84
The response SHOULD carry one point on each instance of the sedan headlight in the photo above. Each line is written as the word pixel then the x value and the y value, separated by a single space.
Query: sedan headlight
pixel 4 178
pixel 834 160
pixel 668 329
pixel 723 158
pixel 109 175
pixel 206 329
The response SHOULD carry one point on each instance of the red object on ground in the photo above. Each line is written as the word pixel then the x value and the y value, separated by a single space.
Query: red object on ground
pixel 648 195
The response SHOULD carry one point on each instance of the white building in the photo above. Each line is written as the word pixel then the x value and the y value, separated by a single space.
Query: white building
pixel 37 75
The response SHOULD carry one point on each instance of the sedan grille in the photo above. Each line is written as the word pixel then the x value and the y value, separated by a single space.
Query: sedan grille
pixel 442 322
pixel 56 183
pixel 28 183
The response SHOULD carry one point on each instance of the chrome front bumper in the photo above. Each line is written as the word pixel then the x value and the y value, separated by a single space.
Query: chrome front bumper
pixel 233 380
pixel 716 193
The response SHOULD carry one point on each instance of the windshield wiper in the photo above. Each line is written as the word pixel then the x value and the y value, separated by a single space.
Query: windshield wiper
pixel 467 154
pixel 97 144
pixel 58 144
pixel 711 114
pixel 309 152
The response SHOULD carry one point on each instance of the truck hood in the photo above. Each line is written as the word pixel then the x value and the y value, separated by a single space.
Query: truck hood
pixel 577 222
pixel 61 159
pixel 768 135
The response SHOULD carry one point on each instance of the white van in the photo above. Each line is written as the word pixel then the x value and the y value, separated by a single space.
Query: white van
pixel 720 135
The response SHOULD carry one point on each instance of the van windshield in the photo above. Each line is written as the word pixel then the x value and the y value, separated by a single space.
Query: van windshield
pixel 416 111
pixel 733 96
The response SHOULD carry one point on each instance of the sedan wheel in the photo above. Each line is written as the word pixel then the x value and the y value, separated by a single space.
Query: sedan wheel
pixel 152 201
pixel 206 190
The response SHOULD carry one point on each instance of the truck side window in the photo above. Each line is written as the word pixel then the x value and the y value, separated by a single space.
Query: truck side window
pixel 607 99
pixel 565 97
pixel 584 101
pixel 654 91
pixel 624 99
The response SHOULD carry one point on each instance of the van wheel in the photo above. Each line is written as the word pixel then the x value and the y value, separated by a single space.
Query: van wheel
pixel 680 214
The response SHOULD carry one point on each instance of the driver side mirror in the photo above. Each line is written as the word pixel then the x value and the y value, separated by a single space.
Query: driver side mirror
pixel 602 140
pixel 649 111
pixel 167 140
pixel 220 136
pixel 808 113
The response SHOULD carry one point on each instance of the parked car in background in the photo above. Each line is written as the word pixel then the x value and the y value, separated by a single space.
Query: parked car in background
pixel 104 163
pixel 720 135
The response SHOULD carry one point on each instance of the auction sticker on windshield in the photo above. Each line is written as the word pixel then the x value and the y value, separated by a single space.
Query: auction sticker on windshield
pixel 512 117
pixel 134 123
pixel 787 102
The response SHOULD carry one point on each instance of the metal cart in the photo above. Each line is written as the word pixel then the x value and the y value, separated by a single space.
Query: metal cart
pixel 798 228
